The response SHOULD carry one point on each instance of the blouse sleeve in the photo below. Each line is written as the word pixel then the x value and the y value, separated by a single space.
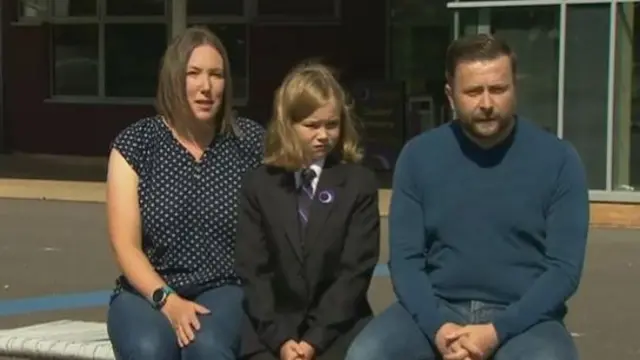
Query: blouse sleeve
pixel 132 142
pixel 253 140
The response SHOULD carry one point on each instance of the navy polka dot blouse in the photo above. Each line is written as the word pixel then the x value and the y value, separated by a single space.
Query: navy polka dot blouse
pixel 188 207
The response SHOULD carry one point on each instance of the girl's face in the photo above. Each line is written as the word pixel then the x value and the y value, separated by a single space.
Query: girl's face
pixel 320 131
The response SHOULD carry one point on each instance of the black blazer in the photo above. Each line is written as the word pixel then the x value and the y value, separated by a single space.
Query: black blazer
pixel 316 291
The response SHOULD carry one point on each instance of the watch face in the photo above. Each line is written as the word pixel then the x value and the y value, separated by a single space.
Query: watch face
pixel 157 296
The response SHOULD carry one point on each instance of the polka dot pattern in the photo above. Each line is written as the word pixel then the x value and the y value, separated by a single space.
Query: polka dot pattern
pixel 189 207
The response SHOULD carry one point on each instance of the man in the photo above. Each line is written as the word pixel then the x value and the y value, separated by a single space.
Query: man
pixel 488 226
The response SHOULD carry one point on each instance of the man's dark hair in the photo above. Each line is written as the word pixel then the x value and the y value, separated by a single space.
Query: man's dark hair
pixel 477 47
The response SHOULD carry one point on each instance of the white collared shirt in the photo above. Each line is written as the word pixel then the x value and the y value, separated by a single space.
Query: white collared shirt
pixel 315 166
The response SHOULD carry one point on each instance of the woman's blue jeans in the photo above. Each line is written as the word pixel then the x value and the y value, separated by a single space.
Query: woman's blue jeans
pixel 138 331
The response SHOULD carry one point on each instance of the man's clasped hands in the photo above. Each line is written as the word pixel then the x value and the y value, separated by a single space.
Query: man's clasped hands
pixel 454 342
pixel 471 342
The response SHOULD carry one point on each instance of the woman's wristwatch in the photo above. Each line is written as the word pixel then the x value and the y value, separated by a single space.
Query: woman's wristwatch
pixel 159 296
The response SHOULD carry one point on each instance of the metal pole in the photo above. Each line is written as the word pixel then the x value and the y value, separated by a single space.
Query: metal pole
pixel 562 51
pixel 611 93
pixel 3 148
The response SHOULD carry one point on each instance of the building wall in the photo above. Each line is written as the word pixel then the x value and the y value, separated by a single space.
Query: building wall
pixel 33 125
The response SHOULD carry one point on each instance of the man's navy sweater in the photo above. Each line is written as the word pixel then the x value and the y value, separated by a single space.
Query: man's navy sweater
pixel 506 225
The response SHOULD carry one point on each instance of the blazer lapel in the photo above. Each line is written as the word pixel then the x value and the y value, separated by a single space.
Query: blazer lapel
pixel 289 211
pixel 328 193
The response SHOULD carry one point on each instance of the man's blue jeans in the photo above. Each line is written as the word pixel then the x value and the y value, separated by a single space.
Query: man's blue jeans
pixel 394 335
pixel 138 331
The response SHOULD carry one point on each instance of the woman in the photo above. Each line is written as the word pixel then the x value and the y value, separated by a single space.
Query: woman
pixel 308 234
pixel 172 191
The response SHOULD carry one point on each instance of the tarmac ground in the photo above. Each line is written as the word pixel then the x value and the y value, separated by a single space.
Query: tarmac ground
pixel 59 248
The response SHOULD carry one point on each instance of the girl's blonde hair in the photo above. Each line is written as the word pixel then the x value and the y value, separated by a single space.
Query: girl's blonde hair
pixel 306 88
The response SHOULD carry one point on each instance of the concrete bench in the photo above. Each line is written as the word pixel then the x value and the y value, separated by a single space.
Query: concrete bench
pixel 63 339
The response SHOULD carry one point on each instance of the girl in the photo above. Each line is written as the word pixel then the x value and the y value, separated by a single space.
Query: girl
pixel 308 238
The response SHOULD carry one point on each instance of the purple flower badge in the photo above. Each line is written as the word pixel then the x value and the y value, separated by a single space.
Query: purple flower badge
pixel 326 196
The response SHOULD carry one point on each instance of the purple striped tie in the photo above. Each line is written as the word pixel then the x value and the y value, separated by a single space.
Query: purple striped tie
pixel 305 195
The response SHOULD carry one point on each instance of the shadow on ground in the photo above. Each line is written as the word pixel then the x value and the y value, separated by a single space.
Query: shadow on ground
pixel 72 168
pixel 45 167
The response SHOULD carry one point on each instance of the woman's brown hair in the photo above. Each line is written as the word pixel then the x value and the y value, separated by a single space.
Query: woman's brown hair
pixel 171 96
pixel 306 88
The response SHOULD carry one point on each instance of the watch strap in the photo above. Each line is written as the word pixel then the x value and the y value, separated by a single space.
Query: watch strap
pixel 166 291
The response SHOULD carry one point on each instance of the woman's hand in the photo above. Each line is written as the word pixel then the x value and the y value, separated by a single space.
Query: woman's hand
pixel 183 315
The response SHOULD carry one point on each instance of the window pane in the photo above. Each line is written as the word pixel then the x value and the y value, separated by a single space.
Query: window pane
pixel 532 33
pixel 585 92
pixel 218 7
pixel 75 59
pixel 234 38
pixel 468 22
pixel 306 8
pixel 132 58
pixel 420 33
pixel 135 7
pixel 379 105
pixel 626 148
pixel 409 12
pixel 33 8
pixel 74 7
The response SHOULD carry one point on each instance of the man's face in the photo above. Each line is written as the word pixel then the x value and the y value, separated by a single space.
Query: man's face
pixel 483 96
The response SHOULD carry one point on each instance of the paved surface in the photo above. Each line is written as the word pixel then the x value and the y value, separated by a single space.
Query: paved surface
pixel 53 247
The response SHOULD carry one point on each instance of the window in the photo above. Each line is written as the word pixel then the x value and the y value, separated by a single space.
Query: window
pixel 75 60
pixel 44 8
pixel 215 8
pixel 626 126
pixel 585 91
pixel 413 24
pixel 229 20
pixel 532 33
pixel 234 38
pixel 74 8
pixel 135 7
pixel 131 70
pixel 111 49
pixel 107 48
pixel 307 9
pixel 32 9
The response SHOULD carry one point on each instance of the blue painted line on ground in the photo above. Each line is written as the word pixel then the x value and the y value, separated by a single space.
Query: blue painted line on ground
pixel 75 301
pixel 54 302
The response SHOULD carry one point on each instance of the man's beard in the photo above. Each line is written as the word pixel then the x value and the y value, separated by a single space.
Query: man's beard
pixel 487 131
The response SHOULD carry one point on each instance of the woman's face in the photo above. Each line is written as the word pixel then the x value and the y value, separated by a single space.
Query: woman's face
pixel 320 131
pixel 205 82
